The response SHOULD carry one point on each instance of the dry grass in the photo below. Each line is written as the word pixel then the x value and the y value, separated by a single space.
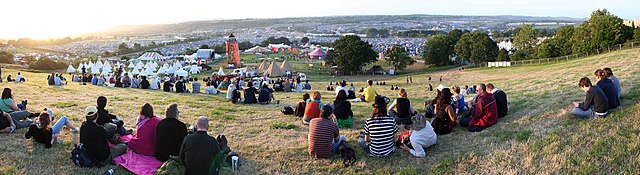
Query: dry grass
pixel 537 137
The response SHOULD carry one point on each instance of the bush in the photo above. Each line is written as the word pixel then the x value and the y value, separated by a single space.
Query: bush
pixel 45 63
pixel 6 57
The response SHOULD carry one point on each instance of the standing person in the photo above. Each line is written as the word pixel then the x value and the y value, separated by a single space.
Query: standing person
pixel 403 107
pixel 484 112
pixel 421 137
pixel 445 114
pixel 343 112
pixel 170 133
pixel 45 133
pixel 501 100
pixel 377 138
pixel 595 104
pixel 324 135
pixel 609 89
pixel 312 110
pixel 195 86
pixel 609 74
pixel 144 140
pixel 94 138
pixel 200 152
pixel 369 93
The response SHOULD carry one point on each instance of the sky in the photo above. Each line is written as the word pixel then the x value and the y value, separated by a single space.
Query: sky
pixel 40 19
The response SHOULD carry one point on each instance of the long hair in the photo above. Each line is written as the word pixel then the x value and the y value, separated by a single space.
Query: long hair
pixel 316 95
pixel 342 96
pixel 444 100
pixel 6 93
pixel 147 110
pixel 402 93
pixel 379 111
pixel 45 121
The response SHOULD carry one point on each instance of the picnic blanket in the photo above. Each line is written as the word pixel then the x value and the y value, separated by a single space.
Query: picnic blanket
pixel 137 163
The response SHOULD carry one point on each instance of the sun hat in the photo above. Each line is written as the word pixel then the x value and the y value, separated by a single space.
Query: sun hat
pixel 91 111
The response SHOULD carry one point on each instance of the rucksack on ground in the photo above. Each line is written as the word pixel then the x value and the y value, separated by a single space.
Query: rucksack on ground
pixel 173 166
pixel 287 110
pixel 81 157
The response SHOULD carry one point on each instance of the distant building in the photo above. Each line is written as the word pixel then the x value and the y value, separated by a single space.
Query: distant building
pixel 505 44
pixel 635 23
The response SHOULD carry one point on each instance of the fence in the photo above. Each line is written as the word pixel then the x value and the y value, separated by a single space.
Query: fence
pixel 629 45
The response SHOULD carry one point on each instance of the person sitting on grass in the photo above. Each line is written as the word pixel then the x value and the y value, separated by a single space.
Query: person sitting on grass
pixel 57 81
pixel 9 78
pixel 195 86
pixel 126 81
pixel 312 110
pixel 484 111
pixel 307 86
pixel 18 112
pixel 230 89
pixel 180 87
pixel 324 135
pixel 250 94
pixel 343 112
pixel 609 74
pixel 170 133
pixel 298 85
pixel 457 100
pixel 501 100
pixel 50 79
pixel 369 93
pixel 379 130
pixel 110 121
pixel 265 95
pixel 101 81
pixel 6 123
pixel 167 86
pixel 20 78
pixel 45 133
pixel 200 152
pixel 94 138
pixel 144 83
pixel 210 89
pixel 609 89
pixel 595 104
pixel 403 107
pixel 300 108
pixel 421 137
pixel 144 140
pixel 135 81
pixel 445 114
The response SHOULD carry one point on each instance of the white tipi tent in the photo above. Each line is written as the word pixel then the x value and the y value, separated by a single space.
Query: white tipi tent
pixel 274 70
pixel 70 69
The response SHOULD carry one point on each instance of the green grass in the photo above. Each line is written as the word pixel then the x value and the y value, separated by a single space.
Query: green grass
pixel 538 136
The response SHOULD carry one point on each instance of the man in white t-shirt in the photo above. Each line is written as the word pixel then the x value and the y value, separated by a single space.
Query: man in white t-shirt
pixel 20 78
pixel 342 87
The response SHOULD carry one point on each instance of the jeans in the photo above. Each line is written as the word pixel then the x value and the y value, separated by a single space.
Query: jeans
pixel 363 144
pixel 335 145
pixel 56 128
pixel 578 112
pixel 19 117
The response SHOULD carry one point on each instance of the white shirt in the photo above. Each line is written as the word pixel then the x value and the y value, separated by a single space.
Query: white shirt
pixel 339 88
pixel 230 91
pixel 154 84
pixel 211 90
pixel 422 139
pixel 19 78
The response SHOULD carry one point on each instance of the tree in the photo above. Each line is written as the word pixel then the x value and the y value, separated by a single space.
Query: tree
pixel 503 55
pixel 606 29
pixel 581 39
pixel 123 47
pixel 219 48
pixel 124 58
pixel 137 46
pixel 562 40
pixel 525 41
pixel 636 34
pixel 437 50
pixel 204 46
pixel 46 63
pixel 547 49
pixel 464 46
pixel 189 51
pixel 304 40
pixel 477 47
pixel 351 53
pixel 6 57
pixel 398 57
pixel 245 45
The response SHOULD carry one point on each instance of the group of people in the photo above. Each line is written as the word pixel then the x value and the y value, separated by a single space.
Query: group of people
pixel 19 78
pixel 601 98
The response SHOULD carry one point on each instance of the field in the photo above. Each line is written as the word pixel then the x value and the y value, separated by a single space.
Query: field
pixel 536 137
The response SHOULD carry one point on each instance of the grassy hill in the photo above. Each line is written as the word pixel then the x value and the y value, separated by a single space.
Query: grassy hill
pixel 536 137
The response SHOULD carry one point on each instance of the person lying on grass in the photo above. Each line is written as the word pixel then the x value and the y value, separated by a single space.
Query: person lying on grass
pixel 47 134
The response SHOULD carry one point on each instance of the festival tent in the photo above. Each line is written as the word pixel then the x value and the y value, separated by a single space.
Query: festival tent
pixel 131 65
pixel 162 70
pixel 249 71
pixel 99 63
pixel 257 49
pixel 194 70
pixel 182 73
pixel 263 66
pixel 135 71
pixel 221 72
pixel 90 64
pixel 70 69
pixel 177 64
pixel 95 70
pixel 140 65
pixel 106 72
pixel 106 64
pixel 274 70
pixel 171 70
pixel 151 56
pixel 286 66
pixel 278 46
pixel 318 53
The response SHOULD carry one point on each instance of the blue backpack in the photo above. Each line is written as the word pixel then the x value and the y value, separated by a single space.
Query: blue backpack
pixel 81 157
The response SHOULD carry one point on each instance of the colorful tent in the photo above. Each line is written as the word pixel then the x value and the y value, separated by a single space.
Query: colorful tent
pixel 318 53
pixel 286 66
pixel 274 70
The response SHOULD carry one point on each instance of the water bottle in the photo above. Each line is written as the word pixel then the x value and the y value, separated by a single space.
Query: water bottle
pixel 109 172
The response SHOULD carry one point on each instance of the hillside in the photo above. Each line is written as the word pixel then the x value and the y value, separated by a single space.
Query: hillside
pixel 536 137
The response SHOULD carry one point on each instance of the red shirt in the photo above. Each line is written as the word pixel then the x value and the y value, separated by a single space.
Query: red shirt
pixel 485 113
pixel 144 141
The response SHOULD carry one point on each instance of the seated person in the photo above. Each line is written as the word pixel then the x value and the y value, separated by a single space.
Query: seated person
pixel 250 94
pixel 369 93
pixel 343 112
pixel 230 89
pixel 210 89
pixel 94 138
pixel 421 137
pixel 46 134
pixel 324 135
pixel 224 85
pixel 20 78
pixel 110 121
pixel 307 86
pixel 377 138
pixel 180 87
pixel 57 81
pixel 501 100
pixel 144 140
pixel 9 78
pixel 51 79
pixel 200 152
pixel 609 89
pixel 445 114
pixel 125 80
pixel 135 81
pixel 170 133
pixel 101 81
pixel 403 107
pixel 299 111
pixel 312 110
pixel 265 95
pixel 19 114
pixel 167 86
pixel 153 85
pixel 195 86
pixel 595 104
pixel 6 123
pixel 484 112
pixel 458 100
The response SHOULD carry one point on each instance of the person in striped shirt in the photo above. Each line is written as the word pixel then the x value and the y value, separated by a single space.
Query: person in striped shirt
pixel 378 136
pixel 324 136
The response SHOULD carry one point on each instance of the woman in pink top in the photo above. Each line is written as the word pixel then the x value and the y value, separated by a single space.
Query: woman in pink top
pixel 144 140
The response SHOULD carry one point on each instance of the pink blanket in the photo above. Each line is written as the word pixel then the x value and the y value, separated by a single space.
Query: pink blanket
pixel 137 163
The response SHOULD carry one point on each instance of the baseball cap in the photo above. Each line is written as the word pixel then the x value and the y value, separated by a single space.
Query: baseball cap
pixel 91 111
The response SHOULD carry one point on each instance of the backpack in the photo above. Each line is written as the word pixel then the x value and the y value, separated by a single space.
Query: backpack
pixel 287 110
pixel 173 166
pixel 81 157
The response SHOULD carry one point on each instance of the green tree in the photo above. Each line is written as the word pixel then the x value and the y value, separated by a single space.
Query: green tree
pixel 398 57
pixel 189 51
pixel 437 50
pixel 581 39
pixel 525 41
pixel 636 34
pixel 477 47
pixel 245 45
pixel 46 63
pixel 606 29
pixel 464 47
pixel 124 58
pixel 547 49
pixel 304 40
pixel 562 40
pixel 219 48
pixel 6 57
pixel 204 46
pixel 137 46
pixel 351 53
pixel 503 55
pixel 123 47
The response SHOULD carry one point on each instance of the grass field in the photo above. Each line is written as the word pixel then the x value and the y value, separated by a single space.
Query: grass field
pixel 536 137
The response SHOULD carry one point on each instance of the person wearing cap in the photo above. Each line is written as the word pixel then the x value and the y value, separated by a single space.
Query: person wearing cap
pixel 369 94
pixel 422 136
pixel 379 130
pixel 445 114
pixel 484 111
pixel 94 137
pixel 200 152
pixel 313 108
pixel 324 135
